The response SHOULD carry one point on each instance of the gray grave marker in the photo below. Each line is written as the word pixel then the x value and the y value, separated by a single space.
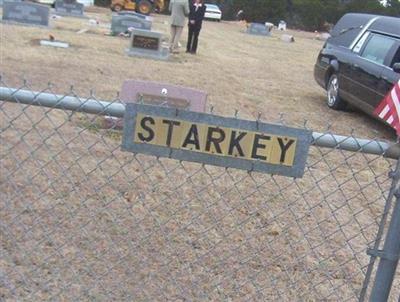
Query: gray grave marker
pixel 144 43
pixel 69 8
pixel 258 29
pixel 134 14
pixel 120 24
pixel 160 94
pixel 2 1
pixel 26 13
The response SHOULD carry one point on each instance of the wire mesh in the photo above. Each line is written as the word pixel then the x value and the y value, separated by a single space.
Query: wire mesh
pixel 82 220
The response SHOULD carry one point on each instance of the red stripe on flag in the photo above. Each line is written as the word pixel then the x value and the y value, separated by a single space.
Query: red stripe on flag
pixel 380 107
pixel 396 89
pixel 393 112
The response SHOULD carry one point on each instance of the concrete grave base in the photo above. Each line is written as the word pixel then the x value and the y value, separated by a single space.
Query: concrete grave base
pixel 54 43
pixel 164 54
pixel 58 13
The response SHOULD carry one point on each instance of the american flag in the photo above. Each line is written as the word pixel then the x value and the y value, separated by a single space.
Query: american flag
pixel 389 108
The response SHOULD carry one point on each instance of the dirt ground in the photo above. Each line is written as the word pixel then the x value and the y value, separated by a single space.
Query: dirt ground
pixel 81 220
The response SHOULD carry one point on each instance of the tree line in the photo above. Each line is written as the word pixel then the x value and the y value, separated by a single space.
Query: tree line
pixel 305 14
pixel 300 14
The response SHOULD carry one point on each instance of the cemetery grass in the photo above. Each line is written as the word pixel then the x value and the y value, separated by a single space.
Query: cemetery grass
pixel 175 230
pixel 249 73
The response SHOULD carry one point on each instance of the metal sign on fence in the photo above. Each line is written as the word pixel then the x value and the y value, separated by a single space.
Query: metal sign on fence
pixel 215 140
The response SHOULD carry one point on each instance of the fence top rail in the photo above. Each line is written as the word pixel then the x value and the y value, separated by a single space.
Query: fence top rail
pixel 117 109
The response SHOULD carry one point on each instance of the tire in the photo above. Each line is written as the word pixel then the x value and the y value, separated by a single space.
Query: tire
pixel 333 99
pixel 144 7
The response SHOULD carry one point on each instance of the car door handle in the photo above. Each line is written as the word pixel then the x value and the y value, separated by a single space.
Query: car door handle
pixel 355 66
pixel 385 78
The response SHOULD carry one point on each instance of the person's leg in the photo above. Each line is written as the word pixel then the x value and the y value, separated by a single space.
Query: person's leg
pixel 195 41
pixel 173 34
pixel 178 33
pixel 189 41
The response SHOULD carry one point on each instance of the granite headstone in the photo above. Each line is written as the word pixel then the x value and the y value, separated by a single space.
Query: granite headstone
pixel 258 29
pixel 69 8
pixel 26 13
pixel 161 94
pixel 121 23
pixel 134 14
pixel 144 43
pixel 2 1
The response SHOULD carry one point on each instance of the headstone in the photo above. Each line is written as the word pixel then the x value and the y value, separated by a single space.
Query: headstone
pixel 134 14
pixel 26 13
pixel 144 43
pixel 323 36
pixel 120 24
pixel 287 38
pixel 159 94
pixel 258 29
pixel 69 8
pixel 269 26
pixel 2 1
pixel 282 25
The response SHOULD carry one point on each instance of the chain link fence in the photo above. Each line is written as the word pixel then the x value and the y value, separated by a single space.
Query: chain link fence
pixel 81 220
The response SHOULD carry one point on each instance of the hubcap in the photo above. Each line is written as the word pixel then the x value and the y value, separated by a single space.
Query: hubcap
pixel 333 91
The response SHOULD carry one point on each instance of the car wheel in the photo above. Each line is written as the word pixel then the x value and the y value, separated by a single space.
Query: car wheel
pixel 332 93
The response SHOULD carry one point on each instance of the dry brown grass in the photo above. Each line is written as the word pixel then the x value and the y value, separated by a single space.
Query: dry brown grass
pixel 239 71
pixel 81 220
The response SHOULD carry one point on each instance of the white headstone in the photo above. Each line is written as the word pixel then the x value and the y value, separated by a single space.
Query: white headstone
pixel 269 26
pixel 282 25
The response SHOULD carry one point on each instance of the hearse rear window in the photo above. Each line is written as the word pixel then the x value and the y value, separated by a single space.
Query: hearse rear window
pixel 377 48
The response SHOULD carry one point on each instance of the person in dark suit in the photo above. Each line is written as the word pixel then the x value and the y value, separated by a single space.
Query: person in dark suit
pixel 196 16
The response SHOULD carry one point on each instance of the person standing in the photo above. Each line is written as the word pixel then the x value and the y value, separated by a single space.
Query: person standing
pixel 179 9
pixel 196 16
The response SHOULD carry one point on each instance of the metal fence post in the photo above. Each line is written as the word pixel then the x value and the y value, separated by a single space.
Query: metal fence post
pixel 389 256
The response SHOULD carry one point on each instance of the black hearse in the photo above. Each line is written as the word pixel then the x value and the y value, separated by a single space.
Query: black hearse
pixel 360 62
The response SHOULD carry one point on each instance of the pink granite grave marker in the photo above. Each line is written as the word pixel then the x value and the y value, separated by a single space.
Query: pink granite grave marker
pixel 161 94
pixel 154 93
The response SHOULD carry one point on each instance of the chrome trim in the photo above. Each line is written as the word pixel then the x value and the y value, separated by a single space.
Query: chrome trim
pixel 362 32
